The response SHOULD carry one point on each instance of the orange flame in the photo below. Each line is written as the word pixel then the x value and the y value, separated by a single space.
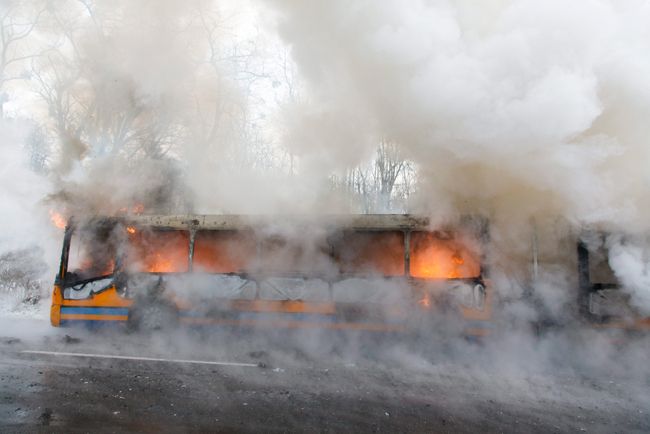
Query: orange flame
pixel 158 252
pixel 157 263
pixel 435 258
pixel 425 301
pixel 130 229
pixel 58 219
pixel 138 208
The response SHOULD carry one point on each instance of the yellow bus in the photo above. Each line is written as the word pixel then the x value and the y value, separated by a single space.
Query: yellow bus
pixel 385 273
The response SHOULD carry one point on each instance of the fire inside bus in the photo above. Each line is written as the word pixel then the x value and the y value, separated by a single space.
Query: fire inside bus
pixel 365 272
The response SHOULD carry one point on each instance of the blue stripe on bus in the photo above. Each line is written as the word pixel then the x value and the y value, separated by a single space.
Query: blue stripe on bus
pixel 92 323
pixel 95 310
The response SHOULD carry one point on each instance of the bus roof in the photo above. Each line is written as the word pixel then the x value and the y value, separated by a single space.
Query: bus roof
pixel 238 221
pixel 234 222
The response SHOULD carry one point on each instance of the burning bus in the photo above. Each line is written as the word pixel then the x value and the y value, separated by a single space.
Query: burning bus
pixel 386 273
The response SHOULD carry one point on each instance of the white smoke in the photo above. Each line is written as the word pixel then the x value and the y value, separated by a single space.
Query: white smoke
pixel 21 191
pixel 630 261
pixel 517 109
pixel 513 109
pixel 29 246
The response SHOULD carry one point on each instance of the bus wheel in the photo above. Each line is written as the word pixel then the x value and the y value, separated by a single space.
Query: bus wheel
pixel 152 316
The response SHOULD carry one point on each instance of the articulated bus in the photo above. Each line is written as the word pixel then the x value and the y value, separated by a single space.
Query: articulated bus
pixel 384 273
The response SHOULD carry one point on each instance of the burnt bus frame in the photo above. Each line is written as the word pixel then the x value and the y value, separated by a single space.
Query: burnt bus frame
pixel 585 286
pixel 59 279
pixel 481 230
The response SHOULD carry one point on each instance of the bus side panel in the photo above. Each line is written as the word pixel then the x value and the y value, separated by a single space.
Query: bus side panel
pixel 104 306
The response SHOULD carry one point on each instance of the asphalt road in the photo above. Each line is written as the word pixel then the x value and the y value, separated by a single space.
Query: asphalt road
pixel 112 382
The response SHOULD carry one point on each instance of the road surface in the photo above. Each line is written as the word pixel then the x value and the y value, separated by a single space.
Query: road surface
pixel 58 380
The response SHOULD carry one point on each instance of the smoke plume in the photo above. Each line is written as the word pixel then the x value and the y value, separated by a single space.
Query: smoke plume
pixel 515 109
pixel 532 114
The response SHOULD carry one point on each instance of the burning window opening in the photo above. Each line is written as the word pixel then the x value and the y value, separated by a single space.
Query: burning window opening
pixel 156 251
pixel 92 253
pixel 306 256
pixel 223 251
pixel 370 253
pixel 435 257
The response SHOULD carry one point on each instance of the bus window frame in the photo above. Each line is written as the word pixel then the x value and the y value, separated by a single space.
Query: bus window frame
pixel 63 277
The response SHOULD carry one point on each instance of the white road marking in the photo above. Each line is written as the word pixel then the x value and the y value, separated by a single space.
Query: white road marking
pixel 145 359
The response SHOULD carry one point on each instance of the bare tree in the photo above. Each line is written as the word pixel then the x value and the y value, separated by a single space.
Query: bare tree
pixel 385 183
pixel 17 22
pixel 232 119
pixel 93 112
pixel 388 167
pixel 37 147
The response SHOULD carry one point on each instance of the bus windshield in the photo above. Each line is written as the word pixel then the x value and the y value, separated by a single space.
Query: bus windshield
pixel 92 254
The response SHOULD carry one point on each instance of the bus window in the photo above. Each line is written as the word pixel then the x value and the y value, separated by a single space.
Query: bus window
pixel 308 254
pixel 434 256
pixel 157 251
pixel 92 253
pixel 223 251
pixel 370 252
